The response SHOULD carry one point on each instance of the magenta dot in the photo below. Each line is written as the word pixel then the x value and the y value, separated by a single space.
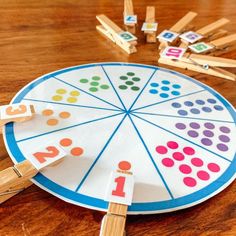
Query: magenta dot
pixel 197 162
pixel 178 156
pixel 172 145
pixel 161 149
pixel 213 167
pixel 190 182
pixel 203 175
pixel 185 169
pixel 188 150
pixel 167 162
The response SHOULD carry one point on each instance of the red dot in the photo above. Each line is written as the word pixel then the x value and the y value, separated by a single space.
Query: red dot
pixel 178 156
pixel 188 150
pixel 197 161
pixel 161 149
pixel 185 169
pixel 167 162
pixel 124 165
pixel 203 175
pixel 172 145
pixel 213 167
pixel 190 182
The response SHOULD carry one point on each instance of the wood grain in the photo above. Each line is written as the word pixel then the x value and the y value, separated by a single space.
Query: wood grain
pixel 38 37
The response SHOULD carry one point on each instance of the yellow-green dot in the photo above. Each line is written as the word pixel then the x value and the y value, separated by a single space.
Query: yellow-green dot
pixel 96 78
pixel 123 87
pixel 74 93
pixel 104 86
pixel 130 74
pixel 136 79
pixel 123 77
pixel 61 91
pixel 71 99
pixel 57 98
pixel 129 82
pixel 94 83
pixel 84 81
pixel 93 89
pixel 135 88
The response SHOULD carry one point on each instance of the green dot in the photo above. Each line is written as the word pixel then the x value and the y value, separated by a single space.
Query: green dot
pixel 130 74
pixel 135 88
pixel 84 81
pixel 123 87
pixel 104 86
pixel 129 82
pixel 93 89
pixel 123 77
pixel 136 79
pixel 94 83
pixel 96 78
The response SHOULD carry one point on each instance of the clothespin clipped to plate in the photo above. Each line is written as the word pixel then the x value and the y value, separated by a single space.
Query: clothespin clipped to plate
pixel 119 195
pixel 150 26
pixel 123 39
pixel 130 19
pixel 169 37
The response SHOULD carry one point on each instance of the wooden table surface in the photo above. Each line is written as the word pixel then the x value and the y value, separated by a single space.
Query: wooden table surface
pixel 38 37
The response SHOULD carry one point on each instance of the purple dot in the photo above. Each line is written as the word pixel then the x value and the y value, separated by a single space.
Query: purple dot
pixel 208 133
pixel 206 109
pixel 222 147
pixel 200 102
pixel 206 141
pixel 180 126
pixel 176 105
pixel 194 125
pixel 188 104
pixel 209 125
pixel 218 108
pixel 224 138
pixel 212 101
pixel 182 112
pixel 193 133
pixel 224 129
pixel 194 111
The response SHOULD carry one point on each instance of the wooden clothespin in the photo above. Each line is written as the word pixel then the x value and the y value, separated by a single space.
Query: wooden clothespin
pixel 123 39
pixel 130 20
pixel 150 26
pixel 119 194
pixel 168 37
pixel 175 56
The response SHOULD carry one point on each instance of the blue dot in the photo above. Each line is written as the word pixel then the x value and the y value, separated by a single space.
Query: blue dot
pixel 176 86
pixel 165 82
pixel 212 101
pixel 164 95
pixel 153 91
pixel 194 111
pixel 176 93
pixel 182 112
pixel 200 102
pixel 188 104
pixel 218 107
pixel 154 84
pixel 206 109
pixel 164 88
pixel 176 105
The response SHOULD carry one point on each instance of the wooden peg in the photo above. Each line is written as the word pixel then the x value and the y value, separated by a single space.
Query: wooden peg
pixel 130 20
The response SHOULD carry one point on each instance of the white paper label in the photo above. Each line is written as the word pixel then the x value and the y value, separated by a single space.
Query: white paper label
pixel 191 36
pixel 168 36
pixel 149 26
pixel 173 52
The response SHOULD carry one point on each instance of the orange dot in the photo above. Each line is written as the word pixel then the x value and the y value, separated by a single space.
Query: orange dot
pixel 52 122
pixel 124 165
pixel 64 114
pixel 65 142
pixel 76 151
pixel 47 112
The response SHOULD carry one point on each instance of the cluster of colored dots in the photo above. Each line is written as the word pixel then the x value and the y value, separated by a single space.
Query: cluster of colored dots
pixel 76 151
pixel 200 105
pixel 165 88
pixel 207 134
pixel 175 156
pixel 72 95
pixel 129 82
pixel 54 121
pixel 94 84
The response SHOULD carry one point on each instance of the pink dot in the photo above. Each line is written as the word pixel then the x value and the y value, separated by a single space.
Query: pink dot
pixel 188 150
pixel 203 175
pixel 167 162
pixel 161 149
pixel 172 145
pixel 190 182
pixel 197 161
pixel 213 167
pixel 178 156
pixel 185 169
